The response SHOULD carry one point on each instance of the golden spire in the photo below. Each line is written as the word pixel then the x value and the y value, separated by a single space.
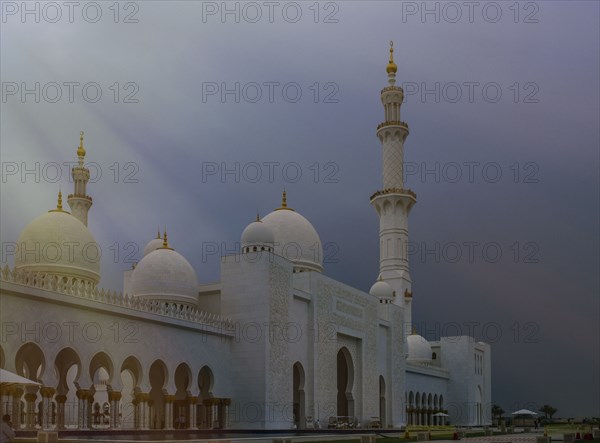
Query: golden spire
pixel 59 206
pixel 165 244
pixel 257 217
pixel 59 203
pixel 158 233
pixel 284 202
pixel 81 149
pixel 391 67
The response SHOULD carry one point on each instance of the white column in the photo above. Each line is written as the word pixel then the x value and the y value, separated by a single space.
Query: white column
pixel 192 412
pixel 30 399
pixel 47 394
pixel 169 411
pixel 115 400
pixel 143 411
pixel 60 410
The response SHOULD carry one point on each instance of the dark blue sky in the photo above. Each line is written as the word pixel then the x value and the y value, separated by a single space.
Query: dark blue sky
pixel 503 107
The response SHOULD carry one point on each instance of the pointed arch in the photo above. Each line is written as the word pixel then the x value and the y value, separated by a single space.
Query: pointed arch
pixel 345 383
pixel 298 395
pixel 101 360
pixel 158 376
pixel 30 361
pixel 183 382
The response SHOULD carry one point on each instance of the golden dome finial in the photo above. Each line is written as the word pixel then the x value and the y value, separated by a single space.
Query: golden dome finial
pixel 257 216
pixel 59 206
pixel 81 149
pixel 391 67
pixel 284 202
pixel 165 244
pixel 158 233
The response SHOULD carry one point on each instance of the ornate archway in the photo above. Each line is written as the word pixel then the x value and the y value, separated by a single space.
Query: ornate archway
pixel 345 383
pixel 298 396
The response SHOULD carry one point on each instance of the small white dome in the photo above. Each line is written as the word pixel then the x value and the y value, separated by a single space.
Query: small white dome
pixel 295 238
pixel 418 348
pixel 165 275
pixel 58 243
pixel 382 289
pixel 153 245
pixel 257 234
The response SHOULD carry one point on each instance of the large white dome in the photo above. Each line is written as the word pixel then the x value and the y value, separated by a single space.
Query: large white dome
pixel 295 238
pixel 418 348
pixel 58 243
pixel 165 275
pixel 258 234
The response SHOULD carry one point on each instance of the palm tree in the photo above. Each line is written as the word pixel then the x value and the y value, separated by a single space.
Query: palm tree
pixel 497 412
pixel 548 411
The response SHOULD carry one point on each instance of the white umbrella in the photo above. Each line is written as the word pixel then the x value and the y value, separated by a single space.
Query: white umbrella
pixel 8 378
pixel 440 414
pixel 524 412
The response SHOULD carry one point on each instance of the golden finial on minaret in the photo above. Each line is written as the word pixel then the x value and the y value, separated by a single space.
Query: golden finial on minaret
pixel 391 67
pixel 81 149
pixel 158 233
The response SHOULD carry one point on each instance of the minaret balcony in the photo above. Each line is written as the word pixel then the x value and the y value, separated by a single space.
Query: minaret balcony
pixel 400 191
pixel 393 200
pixel 392 88
pixel 85 197
pixel 393 123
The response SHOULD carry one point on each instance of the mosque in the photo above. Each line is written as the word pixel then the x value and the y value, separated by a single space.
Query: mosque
pixel 275 344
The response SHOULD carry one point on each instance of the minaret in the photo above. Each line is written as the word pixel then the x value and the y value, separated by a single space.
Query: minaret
pixel 79 202
pixel 393 203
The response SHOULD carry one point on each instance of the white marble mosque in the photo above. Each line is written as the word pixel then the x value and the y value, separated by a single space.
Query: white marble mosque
pixel 275 344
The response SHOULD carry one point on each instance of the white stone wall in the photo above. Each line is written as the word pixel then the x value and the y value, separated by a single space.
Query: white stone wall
pixel 255 293
pixel 351 321
pixel 458 356
pixel 279 318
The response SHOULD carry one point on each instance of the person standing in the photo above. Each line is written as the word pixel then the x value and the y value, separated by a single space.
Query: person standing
pixel 7 434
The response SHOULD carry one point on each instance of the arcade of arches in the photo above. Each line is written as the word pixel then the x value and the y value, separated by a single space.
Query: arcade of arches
pixel 69 404
pixel 421 408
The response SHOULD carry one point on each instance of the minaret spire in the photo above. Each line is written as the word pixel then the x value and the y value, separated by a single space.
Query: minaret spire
pixel 81 149
pixel 79 202
pixel 391 68
pixel 393 202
